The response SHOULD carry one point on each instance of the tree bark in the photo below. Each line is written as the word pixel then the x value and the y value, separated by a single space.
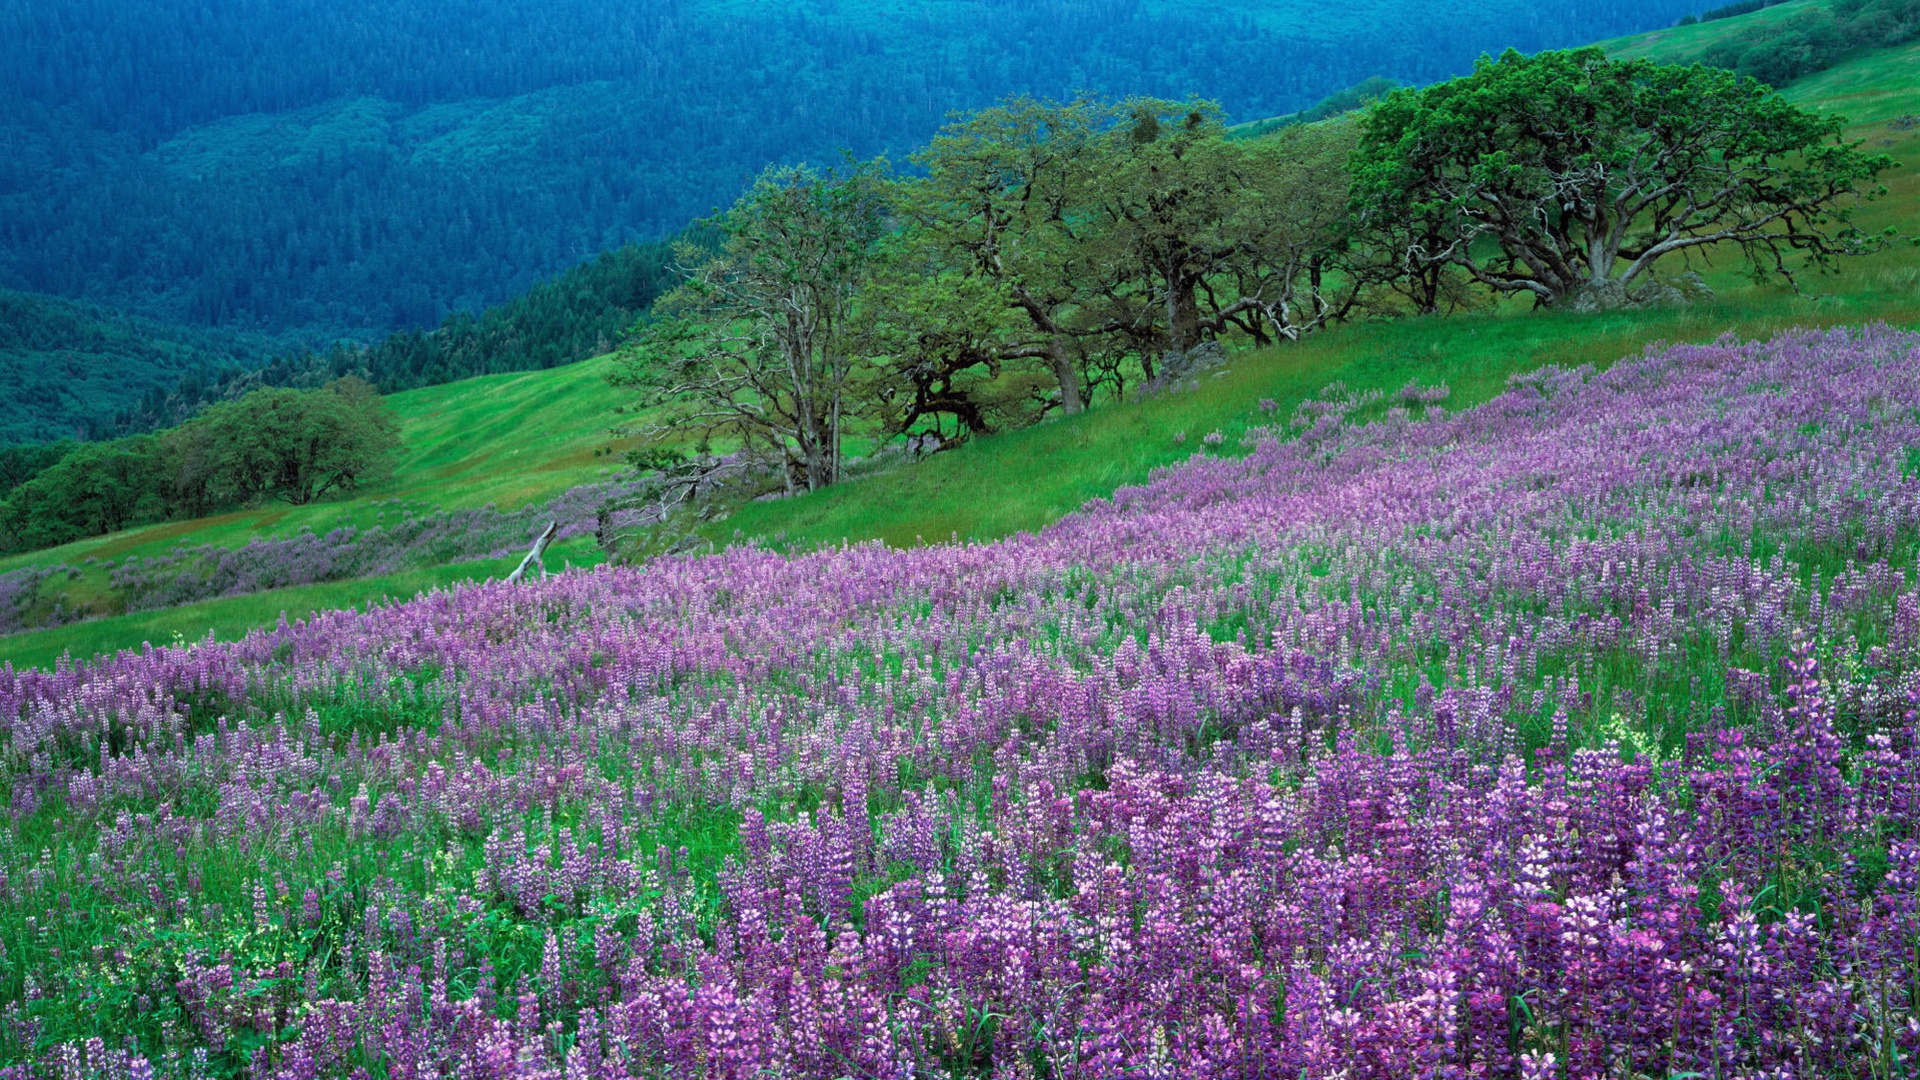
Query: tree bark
pixel 1072 398
pixel 1183 313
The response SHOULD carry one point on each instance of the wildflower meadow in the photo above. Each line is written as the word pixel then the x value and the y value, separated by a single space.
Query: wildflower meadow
pixel 1569 735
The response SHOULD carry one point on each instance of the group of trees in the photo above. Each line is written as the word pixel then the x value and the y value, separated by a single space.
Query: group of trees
pixel 75 370
pixel 82 371
pixel 580 313
pixel 273 444
pixel 1810 40
pixel 1044 254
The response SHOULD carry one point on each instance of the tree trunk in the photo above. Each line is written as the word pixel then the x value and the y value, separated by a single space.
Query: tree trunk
pixel 1597 295
pixel 1072 399
pixel 536 556
pixel 1183 313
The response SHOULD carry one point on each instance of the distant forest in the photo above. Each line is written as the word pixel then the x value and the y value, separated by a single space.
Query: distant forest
pixel 77 371
pixel 337 169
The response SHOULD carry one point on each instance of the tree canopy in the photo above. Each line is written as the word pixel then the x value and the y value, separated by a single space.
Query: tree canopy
pixel 1569 176
pixel 1046 254
pixel 756 342
pixel 293 445
pixel 280 444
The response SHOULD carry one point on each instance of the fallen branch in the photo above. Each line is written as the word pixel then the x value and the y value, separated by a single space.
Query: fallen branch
pixel 537 555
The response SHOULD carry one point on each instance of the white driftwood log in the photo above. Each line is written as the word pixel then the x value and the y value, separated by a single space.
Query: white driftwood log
pixel 538 554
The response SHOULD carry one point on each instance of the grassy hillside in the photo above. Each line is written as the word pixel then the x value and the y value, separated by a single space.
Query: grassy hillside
pixel 508 440
pixel 1025 479
pixel 1679 44
pixel 516 439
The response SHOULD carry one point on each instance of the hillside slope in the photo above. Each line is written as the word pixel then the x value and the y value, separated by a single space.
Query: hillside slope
pixel 507 441
pixel 518 439
pixel 70 369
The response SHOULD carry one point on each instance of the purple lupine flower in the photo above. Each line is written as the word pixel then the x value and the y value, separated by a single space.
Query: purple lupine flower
pixel 1518 740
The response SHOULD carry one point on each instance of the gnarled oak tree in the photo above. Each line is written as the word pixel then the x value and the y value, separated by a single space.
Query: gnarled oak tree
pixel 1568 175
pixel 755 344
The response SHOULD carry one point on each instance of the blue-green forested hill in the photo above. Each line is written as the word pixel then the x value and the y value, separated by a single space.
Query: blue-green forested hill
pixel 349 167
pixel 71 370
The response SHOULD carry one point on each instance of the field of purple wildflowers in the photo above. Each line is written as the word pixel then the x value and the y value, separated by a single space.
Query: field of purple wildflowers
pixel 1571 735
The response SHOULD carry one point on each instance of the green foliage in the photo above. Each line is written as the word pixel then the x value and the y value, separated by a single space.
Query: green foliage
pixel 1023 480
pixel 19 464
pixel 581 313
pixel 946 352
pixel 1810 40
pixel 1567 176
pixel 290 445
pixel 1728 11
pixel 1201 236
pixel 756 344
pixel 1048 250
pixel 81 371
pixel 76 370
pixel 98 488
pixel 1001 205
pixel 356 169
pixel 1339 103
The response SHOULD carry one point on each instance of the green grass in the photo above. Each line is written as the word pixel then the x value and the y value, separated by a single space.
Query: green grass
pixel 517 439
pixel 1869 88
pixel 1682 44
pixel 1022 480
pixel 231 617
pixel 509 440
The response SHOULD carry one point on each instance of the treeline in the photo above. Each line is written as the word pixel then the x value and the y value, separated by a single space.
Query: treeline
pixel 79 371
pixel 1045 256
pixel 583 312
pixel 273 444
pixel 1813 40
pixel 349 169
pixel 1339 103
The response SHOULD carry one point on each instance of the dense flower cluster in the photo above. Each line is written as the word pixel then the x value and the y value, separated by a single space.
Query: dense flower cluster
pixel 1571 735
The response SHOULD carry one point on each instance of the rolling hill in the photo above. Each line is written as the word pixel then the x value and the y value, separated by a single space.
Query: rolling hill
pixel 72 370
pixel 1518 694
pixel 513 440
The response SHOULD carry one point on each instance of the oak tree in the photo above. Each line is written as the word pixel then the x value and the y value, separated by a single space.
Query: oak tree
pixel 755 344
pixel 1569 176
